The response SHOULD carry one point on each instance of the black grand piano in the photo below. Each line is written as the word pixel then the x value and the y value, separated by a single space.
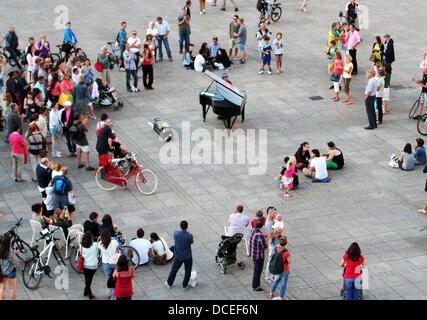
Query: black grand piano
pixel 227 101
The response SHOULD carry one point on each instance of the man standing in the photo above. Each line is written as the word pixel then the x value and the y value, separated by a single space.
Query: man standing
pixel 388 50
pixel 370 92
pixel 104 59
pixel 12 44
pixel 184 30
pixel 135 46
pixel 130 67
pixel 70 39
pixel 233 30
pixel 82 144
pixel 122 40
pixel 44 176
pixel 262 33
pixel 163 28
pixel 241 39
pixel 238 219
pixel 273 239
pixel 257 245
pixel 224 5
pixel 351 10
pixel 353 46
pixel 12 120
pixel 182 254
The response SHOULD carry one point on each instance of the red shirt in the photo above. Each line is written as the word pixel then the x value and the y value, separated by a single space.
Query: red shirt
pixel 352 269
pixel 254 221
pixel 124 283
pixel 285 257
pixel 17 143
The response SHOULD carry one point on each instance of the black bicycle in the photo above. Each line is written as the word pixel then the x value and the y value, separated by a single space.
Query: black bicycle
pixel 276 12
pixel 24 253
pixel 62 55
pixel 7 57
pixel 414 109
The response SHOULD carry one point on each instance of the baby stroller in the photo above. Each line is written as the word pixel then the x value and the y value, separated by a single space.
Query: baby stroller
pixel 226 252
pixel 106 96
pixel 343 290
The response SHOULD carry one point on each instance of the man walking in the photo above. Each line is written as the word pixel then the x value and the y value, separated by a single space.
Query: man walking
pixel 164 29
pixel 184 30
pixel 370 92
pixel 353 46
pixel 130 67
pixel 273 239
pixel 241 39
pixel 257 245
pixel 233 30
pixel 12 44
pixel 224 4
pixel 182 254
pixel 388 50
pixel 122 40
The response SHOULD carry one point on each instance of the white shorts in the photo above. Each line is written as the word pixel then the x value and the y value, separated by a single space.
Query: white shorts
pixel 386 94
pixel 423 98
pixel 84 148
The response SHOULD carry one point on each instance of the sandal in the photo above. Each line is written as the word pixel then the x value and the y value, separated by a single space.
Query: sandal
pixel 271 295
pixel 349 103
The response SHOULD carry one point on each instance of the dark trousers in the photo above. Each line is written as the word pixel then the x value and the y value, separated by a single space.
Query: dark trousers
pixel 67 47
pixel 125 298
pixel 147 72
pixel 380 109
pixel 353 53
pixel 177 263
pixel 88 273
pixel 370 110
pixel 135 79
pixel 256 278
pixel 14 54
pixel 71 145
pixel 184 36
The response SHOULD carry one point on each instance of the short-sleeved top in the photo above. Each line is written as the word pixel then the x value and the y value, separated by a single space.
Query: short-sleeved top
pixel 387 80
pixel 278 46
pixel 238 220
pixel 253 222
pixel 107 252
pixel 122 34
pixel 259 34
pixel 420 154
pixel 136 41
pixel 241 38
pixel 198 63
pixel 234 28
pixel 142 246
pixel 319 164
pixel 269 227
pixel 424 81
pixel 350 269
pixel 333 34
pixel 67 181
pixel 183 27
pixel 338 63
pixel 380 84
pixel 371 87
pixel 347 75
pixel 214 49
pixel 408 161
pixel 183 241
pixel 352 9
pixel 160 247
pixel 285 257
pixel 80 127
pixel 102 142
pixel 93 227
pixel 265 48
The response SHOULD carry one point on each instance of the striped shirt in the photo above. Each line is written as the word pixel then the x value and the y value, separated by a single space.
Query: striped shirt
pixel 257 244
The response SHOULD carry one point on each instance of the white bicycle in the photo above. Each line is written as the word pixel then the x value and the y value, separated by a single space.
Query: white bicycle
pixel 38 266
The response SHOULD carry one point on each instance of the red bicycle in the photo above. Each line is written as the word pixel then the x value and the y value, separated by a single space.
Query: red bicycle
pixel 121 171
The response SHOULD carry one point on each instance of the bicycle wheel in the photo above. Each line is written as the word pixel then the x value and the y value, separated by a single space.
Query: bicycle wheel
pixel 55 58
pixel 422 125
pixel 102 183
pixel 276 14
pixel 132 255
pixel 58 256
pixel 146 181
pixel 414 109
pixel 31 276
pixel 24 253
pixel 74 257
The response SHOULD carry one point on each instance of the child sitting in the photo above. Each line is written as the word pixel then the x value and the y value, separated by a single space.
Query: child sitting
pixel 287 179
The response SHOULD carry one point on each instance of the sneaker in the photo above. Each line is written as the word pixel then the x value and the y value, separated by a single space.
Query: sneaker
pixel 187 287
pixel 201 13
pixel 278 298
pixel 236 9
pixel 222 9
pixel 287 195
pixel 261 72
pixel 269 71
pixel 278 71
pixel 90 169
pixel 137 89
pixel 422 211
pixel 304 11
pixel 122 69
pixel 416 117
pixel 167 285
pixel 259 289
pixel 130 90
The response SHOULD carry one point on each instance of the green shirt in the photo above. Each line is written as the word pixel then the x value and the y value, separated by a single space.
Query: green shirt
pixel 387 80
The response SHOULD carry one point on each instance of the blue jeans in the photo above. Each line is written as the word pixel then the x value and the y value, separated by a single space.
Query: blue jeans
pixel 351 290
pixel 184 36
pixel 60 201
pixel 177 263
pixel 108 269
pixel 134 76
pixel 283 279
pixel 164 40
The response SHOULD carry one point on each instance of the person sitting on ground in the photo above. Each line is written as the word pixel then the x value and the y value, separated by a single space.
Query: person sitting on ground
pixel 188 61
pixel 38 217
pixel 303 155
pixel 420 152
pixel 92 225
pixel 318 169
pixel 259 215
pixel 107 223
pixel 335 158
pixel 160 247
pixel 406 160
pixel 142 246
pixel 279 177
pixel 200 62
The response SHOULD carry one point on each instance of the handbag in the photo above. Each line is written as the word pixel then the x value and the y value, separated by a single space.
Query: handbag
pixel 62 98
pixel 335 77
pixel 80 262
pixel 160 259
pixel 98 66
pixel 326 50
pixel 111 282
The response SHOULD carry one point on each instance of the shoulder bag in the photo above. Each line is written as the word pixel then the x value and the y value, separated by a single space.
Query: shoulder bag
pixel 160 259
pixel 80 262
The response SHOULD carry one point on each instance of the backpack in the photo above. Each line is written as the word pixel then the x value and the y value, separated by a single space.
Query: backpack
pixel 259 5
pixel 276 266
pixel 75 132
pixel 59 185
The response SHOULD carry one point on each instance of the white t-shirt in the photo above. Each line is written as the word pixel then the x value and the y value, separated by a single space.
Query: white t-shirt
pixel 259 34
pixel 158 248
pixel 57 173
pixel 380 83
pixel 198 63
pixel 278 46
pixel 106 253
pixel 141 246
pixel 135 41
pixel 49 198
pixel 319 164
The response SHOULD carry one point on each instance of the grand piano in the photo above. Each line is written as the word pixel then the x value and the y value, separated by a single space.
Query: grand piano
pixel 227 101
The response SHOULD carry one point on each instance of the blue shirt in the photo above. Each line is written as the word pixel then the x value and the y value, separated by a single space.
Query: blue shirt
pixel 162 28
pixel 122 34
pixel 371 87
pixel 265 48
pixel 420 154
pixel 69 35
pixel 89 75
pixel 187 59
pixel 183 241
pixel 214 49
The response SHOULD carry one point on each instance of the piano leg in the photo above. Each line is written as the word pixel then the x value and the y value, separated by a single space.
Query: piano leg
pixel 228 124
pixel 205 111
pixel 243 114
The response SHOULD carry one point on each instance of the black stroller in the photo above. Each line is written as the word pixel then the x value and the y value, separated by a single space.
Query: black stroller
pixel 106 96
pixel 226 252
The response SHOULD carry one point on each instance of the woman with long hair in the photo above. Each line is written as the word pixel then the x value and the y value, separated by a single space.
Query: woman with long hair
pixel 337 70
pixel 55 88
pixel 124 275
pixel 90 264
pixel 8 270
pixel 377 49
pixel 37 147
pixel 348 69
pixel 108 247
pixel 352 262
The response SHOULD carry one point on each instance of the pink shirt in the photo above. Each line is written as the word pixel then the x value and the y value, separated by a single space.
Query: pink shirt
pixel 66 86
pixel 337 63
pixel 289 172
pixel 353 39
pixel 17 143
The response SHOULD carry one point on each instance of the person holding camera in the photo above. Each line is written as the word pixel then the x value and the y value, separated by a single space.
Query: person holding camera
pixel 147 67
pixel 131 70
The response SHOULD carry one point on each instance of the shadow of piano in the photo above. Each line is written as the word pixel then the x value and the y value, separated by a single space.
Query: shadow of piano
pixel 226 100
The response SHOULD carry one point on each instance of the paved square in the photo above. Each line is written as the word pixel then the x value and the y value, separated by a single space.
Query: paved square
pixel 367 202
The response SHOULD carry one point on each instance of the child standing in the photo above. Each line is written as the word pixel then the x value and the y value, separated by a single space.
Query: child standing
pixel 278 51
pixel 266 56
pixel 379 95
pixel 287 180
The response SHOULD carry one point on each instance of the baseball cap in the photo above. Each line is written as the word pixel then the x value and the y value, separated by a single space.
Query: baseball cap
pixel 224 75
pixel 67 103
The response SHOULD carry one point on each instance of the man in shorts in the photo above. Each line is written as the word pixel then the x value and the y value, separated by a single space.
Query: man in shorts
pixel 82 145
pixel 233 30
pixel 241 39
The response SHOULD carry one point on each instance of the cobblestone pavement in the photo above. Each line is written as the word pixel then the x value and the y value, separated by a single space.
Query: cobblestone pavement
pixel 367 202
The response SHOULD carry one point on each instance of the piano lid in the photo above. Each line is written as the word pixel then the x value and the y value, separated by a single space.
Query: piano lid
pixel 227 90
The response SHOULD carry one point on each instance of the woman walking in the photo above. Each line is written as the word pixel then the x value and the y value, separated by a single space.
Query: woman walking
pixel 124 275
pixel 348 69
pixel 352 261
pixel 109 247
pixel 90 264
pixel 8 270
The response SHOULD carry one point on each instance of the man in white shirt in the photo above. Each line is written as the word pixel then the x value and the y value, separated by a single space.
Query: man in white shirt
pixel 261 34
pixel 135 45
pixel 41 122
pixel 199 62
pixel 238 219
pixel 163 28
pixel 142 246
pixel 76 74
pixel 318 168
